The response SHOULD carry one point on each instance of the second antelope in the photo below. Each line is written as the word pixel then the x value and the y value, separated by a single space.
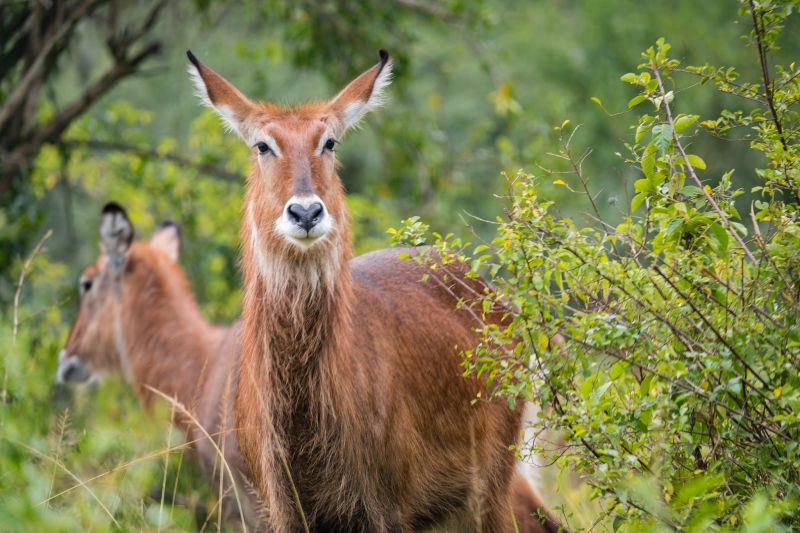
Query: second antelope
pixel 139 318
pixel 352 412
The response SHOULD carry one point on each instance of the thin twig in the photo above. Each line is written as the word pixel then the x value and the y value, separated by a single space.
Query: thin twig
pixel 692 173
pixel 18 292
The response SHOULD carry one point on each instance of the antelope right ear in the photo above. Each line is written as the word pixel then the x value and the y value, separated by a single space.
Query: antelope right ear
pixel 361 95
pixel 168 238
pixel 116 234
pixel 220 95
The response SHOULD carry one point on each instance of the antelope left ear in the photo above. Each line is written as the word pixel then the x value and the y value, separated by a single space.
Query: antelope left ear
pixel 169 239
pixel 361 95
pixel 116 234
pixel 219 94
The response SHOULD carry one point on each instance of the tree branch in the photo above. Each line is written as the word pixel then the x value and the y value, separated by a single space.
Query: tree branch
pixel 35 71
pixel 111 146
pixel 50 132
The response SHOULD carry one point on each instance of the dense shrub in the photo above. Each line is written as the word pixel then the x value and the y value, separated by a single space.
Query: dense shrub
pixel 675 382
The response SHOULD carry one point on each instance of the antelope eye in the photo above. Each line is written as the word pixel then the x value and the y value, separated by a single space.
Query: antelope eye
pixel 85 286
pixel 263 148
pixel 330 144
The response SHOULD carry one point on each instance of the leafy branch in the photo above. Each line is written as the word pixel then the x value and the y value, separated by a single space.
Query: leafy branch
pixel 676 139
pixel 47 31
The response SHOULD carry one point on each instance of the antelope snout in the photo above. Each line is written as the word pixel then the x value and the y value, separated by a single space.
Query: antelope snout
pixel 304 221
pixel 305 217
pixel 71 369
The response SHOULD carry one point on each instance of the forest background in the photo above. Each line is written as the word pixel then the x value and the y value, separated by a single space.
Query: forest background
pixel 482 88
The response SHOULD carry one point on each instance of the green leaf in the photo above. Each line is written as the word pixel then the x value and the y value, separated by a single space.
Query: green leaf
pixel 721 236
pixel 636 100
pixel 512 402
pixel 601 390
pixel 617 369
pixel 641 129
pixel 587 385
pixel 662 137
pixel 637 201
pixel 649 164
pixel 739 227
pixel 696 161
pixel 643 185
pixel 684 121
pixel 644 388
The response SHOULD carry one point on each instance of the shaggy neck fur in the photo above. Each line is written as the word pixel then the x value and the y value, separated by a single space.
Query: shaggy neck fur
pixel 296 330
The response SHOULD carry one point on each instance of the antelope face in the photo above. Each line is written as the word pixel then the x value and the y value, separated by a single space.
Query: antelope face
pixel 295 166
pixel 294 194
pixel 96 344
pixel 90 345
pixel 90 349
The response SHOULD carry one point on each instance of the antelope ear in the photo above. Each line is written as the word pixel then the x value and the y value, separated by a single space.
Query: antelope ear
pixel 169 239
pixel 116 234
pixel 220 95
pixel 361 95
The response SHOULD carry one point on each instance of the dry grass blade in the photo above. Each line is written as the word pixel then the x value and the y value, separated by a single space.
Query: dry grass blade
pixel 176 404
pixel 123 466
pixel 166 469
pixel 63 467
pixel 18 293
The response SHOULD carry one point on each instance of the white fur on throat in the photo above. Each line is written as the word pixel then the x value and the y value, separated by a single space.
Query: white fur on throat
pixel 277 268
pixel 354 112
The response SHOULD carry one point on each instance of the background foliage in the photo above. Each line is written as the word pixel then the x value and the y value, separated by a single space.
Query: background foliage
pixel 480 86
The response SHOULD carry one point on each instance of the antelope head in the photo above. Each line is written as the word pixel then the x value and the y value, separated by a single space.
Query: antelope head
pixel 295 200
pixel 96 344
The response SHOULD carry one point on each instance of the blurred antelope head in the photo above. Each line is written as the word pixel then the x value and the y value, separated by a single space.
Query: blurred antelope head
pixel 122 274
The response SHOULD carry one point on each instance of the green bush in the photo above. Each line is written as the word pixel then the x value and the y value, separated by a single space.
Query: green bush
pixel 674 379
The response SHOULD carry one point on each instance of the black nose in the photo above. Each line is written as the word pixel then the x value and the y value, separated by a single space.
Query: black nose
pixel 306 218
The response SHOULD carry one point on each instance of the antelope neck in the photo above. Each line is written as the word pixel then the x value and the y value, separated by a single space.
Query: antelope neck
pixel 171 348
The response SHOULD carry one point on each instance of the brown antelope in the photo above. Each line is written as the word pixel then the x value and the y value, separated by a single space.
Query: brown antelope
pixel 138 317
pixel 352 412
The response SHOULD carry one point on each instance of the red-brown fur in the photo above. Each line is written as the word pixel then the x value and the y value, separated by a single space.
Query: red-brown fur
pixel 530 511
pixel 352 410
pixel 172 348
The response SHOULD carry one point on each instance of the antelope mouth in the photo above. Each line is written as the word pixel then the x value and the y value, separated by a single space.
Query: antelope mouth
pixel 304 242
pixel 72 369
